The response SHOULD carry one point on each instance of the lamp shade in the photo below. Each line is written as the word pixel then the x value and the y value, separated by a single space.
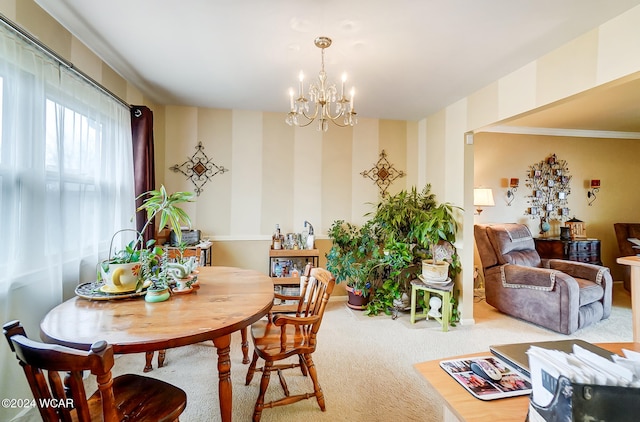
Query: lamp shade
pixel 483 197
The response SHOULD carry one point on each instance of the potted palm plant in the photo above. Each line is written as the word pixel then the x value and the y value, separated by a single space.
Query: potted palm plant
pixel 354 258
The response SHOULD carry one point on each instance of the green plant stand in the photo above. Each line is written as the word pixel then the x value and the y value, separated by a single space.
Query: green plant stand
pixel 444 291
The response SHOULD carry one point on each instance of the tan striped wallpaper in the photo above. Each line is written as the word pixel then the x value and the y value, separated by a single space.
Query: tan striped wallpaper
pixel 279 174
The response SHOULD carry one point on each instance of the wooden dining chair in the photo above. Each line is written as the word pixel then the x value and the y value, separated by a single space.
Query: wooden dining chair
pixel 173 254
pixel 124 398
pixel 283 336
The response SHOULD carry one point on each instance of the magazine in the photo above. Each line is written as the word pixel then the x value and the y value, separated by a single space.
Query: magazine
pixel 512 383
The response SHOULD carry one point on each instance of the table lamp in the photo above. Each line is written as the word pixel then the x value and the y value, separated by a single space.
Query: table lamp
pixel 482 197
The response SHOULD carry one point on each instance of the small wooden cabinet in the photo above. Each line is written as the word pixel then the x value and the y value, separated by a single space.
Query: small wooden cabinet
pixel 580 250
pixel 281 265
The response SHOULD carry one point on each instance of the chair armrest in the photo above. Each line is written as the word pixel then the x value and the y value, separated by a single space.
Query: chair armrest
pixel 280 320
pixel 523 277
pixel 285 297
pixel 595 273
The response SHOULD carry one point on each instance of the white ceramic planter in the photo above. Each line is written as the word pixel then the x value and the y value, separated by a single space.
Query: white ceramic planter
pixel 435 272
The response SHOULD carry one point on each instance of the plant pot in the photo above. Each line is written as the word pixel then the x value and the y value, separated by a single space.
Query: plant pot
pixel 357 302
pixel 157 295
pixel 435 272
pixel 183 285
pixel 121 277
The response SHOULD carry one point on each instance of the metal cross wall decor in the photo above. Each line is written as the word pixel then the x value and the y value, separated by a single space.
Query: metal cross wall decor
pixel 199 168
pixel 383 174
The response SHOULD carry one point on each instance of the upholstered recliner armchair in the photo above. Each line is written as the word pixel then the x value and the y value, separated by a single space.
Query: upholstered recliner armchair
pixel 560 295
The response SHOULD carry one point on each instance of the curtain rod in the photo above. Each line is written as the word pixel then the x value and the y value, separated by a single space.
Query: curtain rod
pixel 48 51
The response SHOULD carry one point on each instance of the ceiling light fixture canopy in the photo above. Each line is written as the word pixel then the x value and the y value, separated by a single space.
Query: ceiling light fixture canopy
pixel 326 106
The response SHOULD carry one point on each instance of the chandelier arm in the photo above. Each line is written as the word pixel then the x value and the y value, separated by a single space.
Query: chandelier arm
pixel 315 113
pixel 305 124
pixel 342 113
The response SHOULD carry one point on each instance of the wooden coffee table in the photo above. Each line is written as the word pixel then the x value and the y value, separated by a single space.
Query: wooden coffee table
pixel 460 405
pixel 229 299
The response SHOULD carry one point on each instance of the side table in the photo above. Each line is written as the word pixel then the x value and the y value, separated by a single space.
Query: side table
pixel 444 291
pixel 580 250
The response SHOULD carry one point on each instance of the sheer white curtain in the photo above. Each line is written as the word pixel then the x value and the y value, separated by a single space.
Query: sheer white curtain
pixel 66 185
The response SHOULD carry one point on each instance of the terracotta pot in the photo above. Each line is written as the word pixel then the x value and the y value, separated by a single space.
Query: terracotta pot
pixel 357 302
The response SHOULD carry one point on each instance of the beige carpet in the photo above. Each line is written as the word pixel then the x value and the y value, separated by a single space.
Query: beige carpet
pixel 365 364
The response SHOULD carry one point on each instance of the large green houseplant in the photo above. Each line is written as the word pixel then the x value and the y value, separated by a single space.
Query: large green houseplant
pixel 144 260
pixel 413 227
pixel 355 258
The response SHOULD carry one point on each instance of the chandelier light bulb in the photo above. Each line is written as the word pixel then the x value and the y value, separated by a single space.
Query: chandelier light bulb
pixel 353 93
pixel 291 98
pixel 300 88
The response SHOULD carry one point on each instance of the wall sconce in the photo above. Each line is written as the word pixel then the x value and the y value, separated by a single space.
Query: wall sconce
pixel 482 197
pixel 594 188
pixel 513 188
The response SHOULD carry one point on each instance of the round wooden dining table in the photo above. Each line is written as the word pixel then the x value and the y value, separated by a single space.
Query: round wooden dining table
pixel 229 299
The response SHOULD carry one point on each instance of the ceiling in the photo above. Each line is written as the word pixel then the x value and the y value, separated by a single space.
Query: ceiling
pixel 406 59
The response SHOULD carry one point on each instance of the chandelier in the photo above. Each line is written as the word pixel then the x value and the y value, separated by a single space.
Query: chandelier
pixel 321 102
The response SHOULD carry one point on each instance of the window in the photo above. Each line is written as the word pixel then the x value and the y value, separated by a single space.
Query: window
pixel 66 171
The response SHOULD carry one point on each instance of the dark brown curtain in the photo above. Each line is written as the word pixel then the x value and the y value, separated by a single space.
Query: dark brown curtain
pixel 143 161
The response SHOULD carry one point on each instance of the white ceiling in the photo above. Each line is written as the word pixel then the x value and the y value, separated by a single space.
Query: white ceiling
pixel 406 58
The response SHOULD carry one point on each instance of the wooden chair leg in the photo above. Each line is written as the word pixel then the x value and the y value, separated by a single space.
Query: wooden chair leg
pixel 148 366
pixel 283 383
pixel 252 369
pixel 314 378
pixel 245 346
pixel 161 355
pixel 303 365
pixel 264 383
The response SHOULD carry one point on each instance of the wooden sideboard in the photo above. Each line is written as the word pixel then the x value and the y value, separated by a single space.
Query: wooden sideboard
pixel 581 250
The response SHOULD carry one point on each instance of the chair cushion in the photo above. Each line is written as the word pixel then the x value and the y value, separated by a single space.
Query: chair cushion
pixel 589 291
pixel 513 244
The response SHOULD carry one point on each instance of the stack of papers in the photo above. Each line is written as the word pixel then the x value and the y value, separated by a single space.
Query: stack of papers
pixel 581 367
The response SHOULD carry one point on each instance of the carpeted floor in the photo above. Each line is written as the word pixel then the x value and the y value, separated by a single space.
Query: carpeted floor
pixel 365 364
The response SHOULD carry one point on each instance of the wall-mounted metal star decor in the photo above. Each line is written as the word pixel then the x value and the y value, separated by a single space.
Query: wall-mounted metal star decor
pixel 199 168
pixel 383 174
